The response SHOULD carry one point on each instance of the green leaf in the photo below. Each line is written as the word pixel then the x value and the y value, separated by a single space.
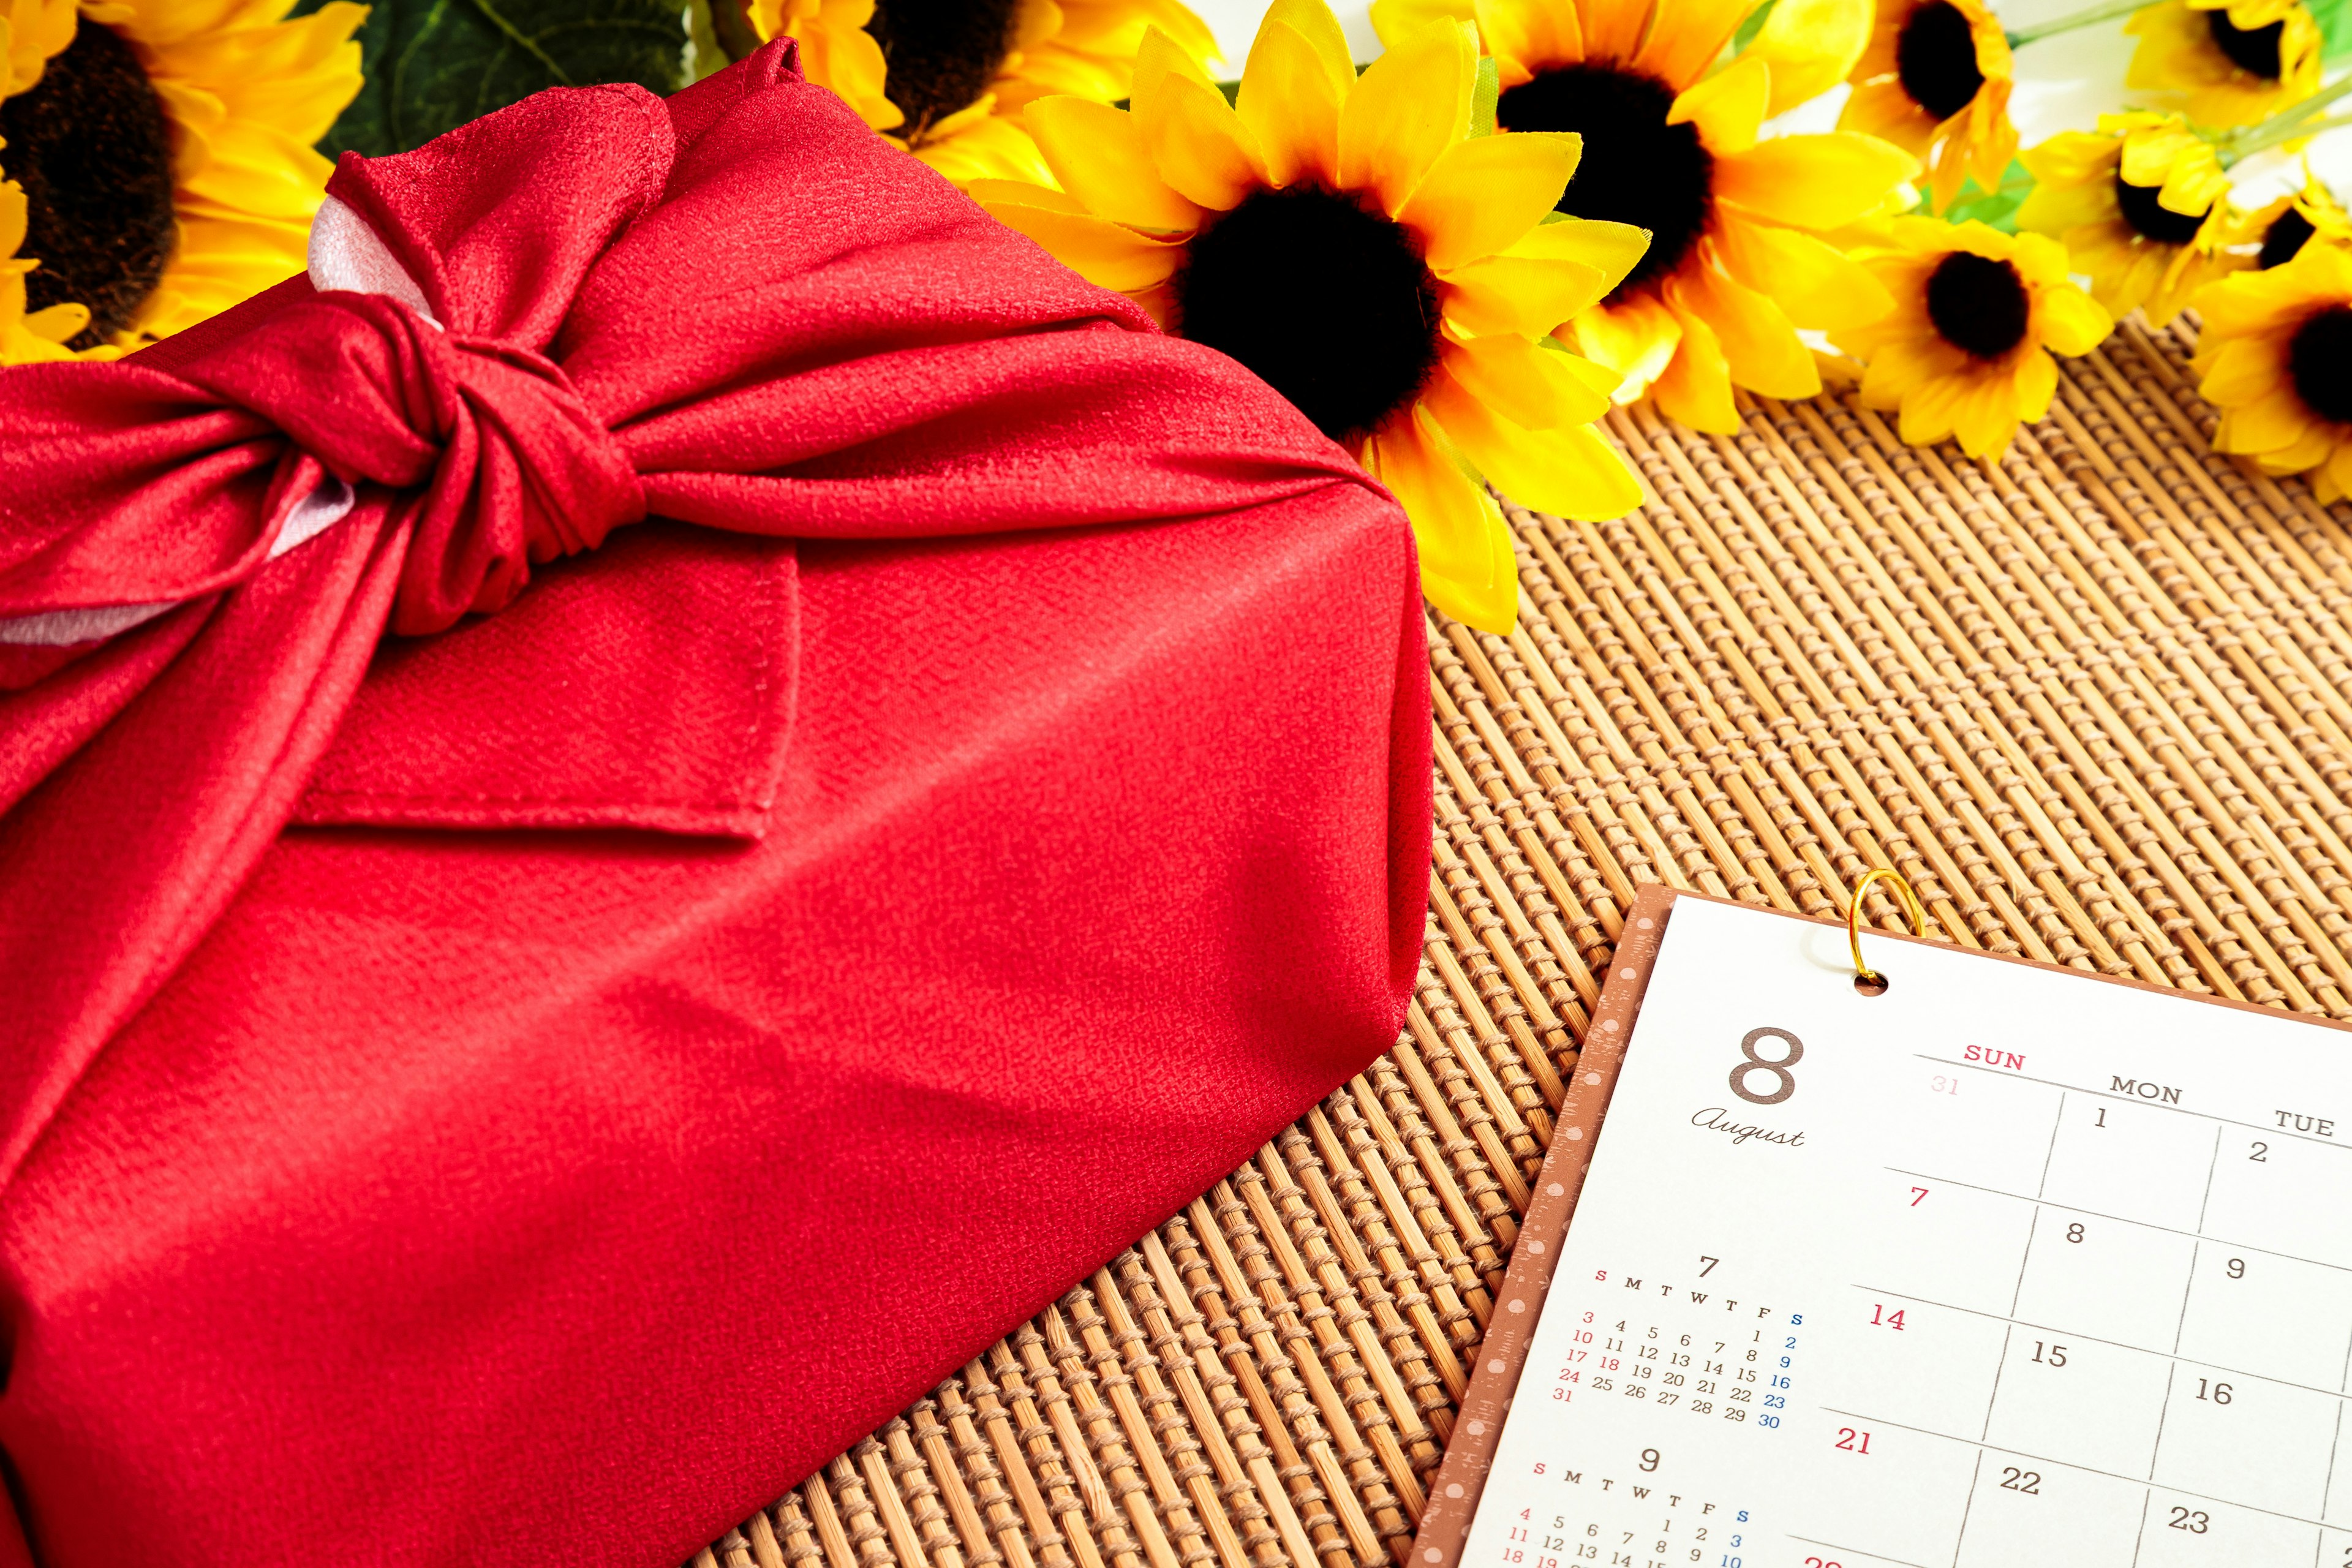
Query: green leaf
pixel 1995 208
pixel 1484 97
pixel 1750 27
pixel 433 65
pixel 2335 19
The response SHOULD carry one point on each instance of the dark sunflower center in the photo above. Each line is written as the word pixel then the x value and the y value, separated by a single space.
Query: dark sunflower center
pixel 2319 362
pixel 2152 217
pixel 1636 168
pixel 1936 57
pixel 2284 239
pixel 90 148
pixel 2253 49
pixel 1978 304
pixel 1329 304
pixel 941 54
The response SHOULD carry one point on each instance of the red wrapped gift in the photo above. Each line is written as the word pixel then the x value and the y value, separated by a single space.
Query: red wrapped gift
pixel 531 1093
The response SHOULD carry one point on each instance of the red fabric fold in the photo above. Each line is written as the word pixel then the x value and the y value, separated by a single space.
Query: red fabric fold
pixel 739 308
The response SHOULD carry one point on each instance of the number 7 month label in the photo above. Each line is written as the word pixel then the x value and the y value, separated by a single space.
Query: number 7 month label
pixel 1667 1402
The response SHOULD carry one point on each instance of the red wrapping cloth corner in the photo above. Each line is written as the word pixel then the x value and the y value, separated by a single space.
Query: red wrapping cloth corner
pixel 532 1090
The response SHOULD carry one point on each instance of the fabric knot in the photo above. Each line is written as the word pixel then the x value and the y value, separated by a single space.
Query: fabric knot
pixel 501 465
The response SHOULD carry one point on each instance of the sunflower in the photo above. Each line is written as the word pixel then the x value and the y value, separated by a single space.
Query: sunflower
pixel 158 159
pixel 1935 80
pixel 1738 259
pixel 1350 240
pixel 951 79
pixel 2276 359
pixel 2277 232
pixel 2140 206
pixel 1978 313
pixel 2238 61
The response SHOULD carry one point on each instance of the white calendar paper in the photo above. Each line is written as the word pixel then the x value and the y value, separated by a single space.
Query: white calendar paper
pixel 2001 1268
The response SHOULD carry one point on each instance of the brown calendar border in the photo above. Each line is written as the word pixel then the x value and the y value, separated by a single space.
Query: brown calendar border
pixel 1502 1356
pixel 1479 1426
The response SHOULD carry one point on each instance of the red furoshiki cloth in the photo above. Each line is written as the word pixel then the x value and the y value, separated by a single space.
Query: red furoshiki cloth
pixel 529 1093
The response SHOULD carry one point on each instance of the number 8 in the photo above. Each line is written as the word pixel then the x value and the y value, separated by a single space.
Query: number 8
pixel 1779 1070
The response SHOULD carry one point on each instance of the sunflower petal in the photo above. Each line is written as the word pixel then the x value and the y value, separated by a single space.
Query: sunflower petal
pixel 1526 39
pixel 2036 382
pixel 1696 385
pixel 1539 388
pixel 2072 322
pixel 1817 284
pixel 1098 154
pixel 1822 181
pixel 1416 462
pixel 1482 194
pixel 2242 371
pixel 1686 36
pixel 1096 248
pixel 1637 339
pixel 1762 349
pixel 993 193
pixel 1201 148
pixel 1985 418
pixel 1406 107
pixel 1506 294
pixel 1291 102
pixel 2274 422
pixel 1811 45
pixel 1570 472
pixel 1727 107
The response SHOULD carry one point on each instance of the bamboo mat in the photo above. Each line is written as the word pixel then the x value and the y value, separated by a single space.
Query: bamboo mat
pixel 2092 701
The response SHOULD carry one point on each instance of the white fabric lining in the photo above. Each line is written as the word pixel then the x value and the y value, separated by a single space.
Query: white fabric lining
pixel 345 254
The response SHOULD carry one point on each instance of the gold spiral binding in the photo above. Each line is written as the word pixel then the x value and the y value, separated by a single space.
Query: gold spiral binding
pixel 1863 976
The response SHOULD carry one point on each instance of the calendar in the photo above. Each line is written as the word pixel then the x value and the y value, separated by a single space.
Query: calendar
pixel 2004 1266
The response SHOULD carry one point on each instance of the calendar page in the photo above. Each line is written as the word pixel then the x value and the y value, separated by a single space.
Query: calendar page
pixel 2004 1266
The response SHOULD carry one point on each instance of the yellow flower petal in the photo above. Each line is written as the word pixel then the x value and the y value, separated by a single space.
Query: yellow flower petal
pixel 1452 515
pixel 1098 154
pixel 1200 145
pixel 1636 338
pixel 1821 181
pixel 1687 36
pixel 1568 472
pixel 1760 348
pixel 1505 294
pixel 1539 388
pixel 1930 411
pixel 1985 418
pixel 1290 100
pixel 993 193
pixel 1613 248
pixel 1818 285
pixel 1695 386
pixel 2036 382
pixel 1811 45
pixel 1726 106
pixel 1096 248
pixel 1492 606
pixel 2277 421
pixel 1524 38
pixel 2072 322
pixel 1481 194
pixel 1404 110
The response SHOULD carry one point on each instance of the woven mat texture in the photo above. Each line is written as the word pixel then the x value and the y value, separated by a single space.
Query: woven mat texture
pixel 2093 701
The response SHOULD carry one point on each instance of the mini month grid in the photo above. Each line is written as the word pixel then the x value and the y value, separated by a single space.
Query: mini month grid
pixel 2004 1266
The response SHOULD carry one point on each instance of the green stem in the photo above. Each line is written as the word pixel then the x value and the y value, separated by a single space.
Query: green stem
pixel 2067 23
pixel 2237 150
pixel 2286 125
